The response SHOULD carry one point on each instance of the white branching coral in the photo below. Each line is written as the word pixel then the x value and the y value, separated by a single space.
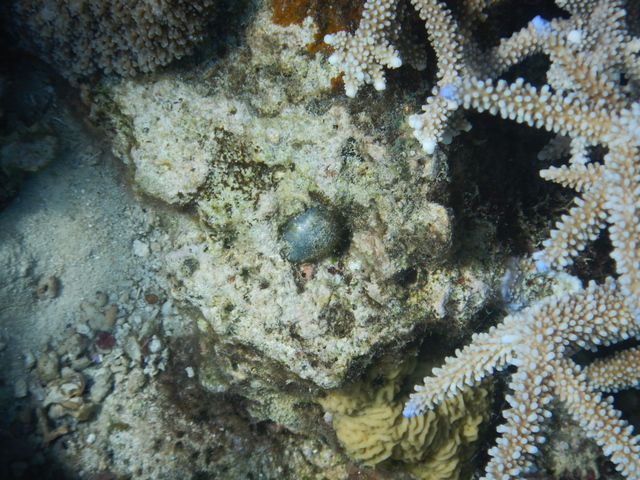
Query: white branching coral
pixel 364 54
pixel 592 97
pixel 376 44
pixel 539 341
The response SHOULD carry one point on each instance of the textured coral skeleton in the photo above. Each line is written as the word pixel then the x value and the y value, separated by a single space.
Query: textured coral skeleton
pixel 539 340
pixel 591 98
pixel 80 38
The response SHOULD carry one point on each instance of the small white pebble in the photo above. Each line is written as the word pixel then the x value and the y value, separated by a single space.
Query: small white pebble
pixel 190 372
pixel 272 135
pixel 166 307
pixel 91 438
pixel 20 389
pixel 155 345
pixel 83 329
pixel 355 266
pixel 140 249
pixel 29 360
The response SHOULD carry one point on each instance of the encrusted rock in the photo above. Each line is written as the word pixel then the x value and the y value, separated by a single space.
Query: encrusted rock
pixel 135 381
pixel 66 391
pixel 31 153
pixel 47 368
pixel 74 346
pixel 132 349
pixel 102 385
pixel 20 388
pixel 260 139
pixel 29 360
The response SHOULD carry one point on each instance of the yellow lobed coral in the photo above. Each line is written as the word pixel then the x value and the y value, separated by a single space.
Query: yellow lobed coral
pixel 369 423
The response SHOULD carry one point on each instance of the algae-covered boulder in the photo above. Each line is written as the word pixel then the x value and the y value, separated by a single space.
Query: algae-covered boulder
pixel 256 140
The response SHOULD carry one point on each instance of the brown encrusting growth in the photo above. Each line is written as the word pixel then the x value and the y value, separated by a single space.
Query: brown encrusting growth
pixel 330 17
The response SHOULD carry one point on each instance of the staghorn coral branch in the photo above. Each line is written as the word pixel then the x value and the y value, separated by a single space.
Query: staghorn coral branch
pixel 573 231
pixel 598 418
pixel 491 351
pixel 515 449
pixel 363 54
pixel 617 372
pixel 579 176
pixel 538 341
pixel 592 98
